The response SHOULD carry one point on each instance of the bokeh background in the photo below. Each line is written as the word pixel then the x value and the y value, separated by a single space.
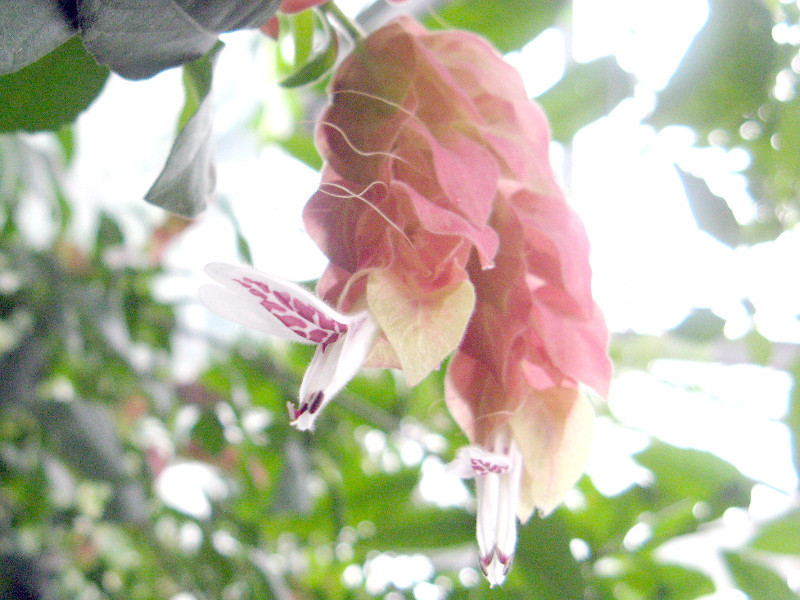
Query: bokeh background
pixel 145 450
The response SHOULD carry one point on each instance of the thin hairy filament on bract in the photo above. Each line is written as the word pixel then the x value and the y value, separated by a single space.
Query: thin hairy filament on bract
pixel 399 107
pixel 371 153
pixel 496 413
pixel 364 153
pixel 351 195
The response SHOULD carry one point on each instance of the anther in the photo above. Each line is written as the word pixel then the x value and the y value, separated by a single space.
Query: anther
pixel 316 402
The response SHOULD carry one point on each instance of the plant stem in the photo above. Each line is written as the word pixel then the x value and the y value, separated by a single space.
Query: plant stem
pixel 351 28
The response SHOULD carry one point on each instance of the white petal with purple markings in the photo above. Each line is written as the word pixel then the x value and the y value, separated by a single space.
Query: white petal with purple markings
pixel 287 310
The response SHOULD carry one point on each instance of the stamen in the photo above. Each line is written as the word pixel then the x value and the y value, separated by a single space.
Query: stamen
pixel 482 467
pixel 296 411
pixel 485 562
pixel 316 402
pixel 505 561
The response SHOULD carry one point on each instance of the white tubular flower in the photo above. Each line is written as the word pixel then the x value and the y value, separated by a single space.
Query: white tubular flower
pixel 287 310
pixel 498 476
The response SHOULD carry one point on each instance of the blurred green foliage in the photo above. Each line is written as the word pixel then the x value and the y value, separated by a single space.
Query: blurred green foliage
pixel 92 422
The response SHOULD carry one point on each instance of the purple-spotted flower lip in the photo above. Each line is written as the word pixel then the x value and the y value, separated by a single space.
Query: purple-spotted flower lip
pixel 498 476
pixel 284 309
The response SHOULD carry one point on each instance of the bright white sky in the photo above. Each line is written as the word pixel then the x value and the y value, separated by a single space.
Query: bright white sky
pixel 651 263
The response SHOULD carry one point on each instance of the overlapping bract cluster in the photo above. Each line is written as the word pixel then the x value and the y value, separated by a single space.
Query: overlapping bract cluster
pixel 437 176
pixel 446 231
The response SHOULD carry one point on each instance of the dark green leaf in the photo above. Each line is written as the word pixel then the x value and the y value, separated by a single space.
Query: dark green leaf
pixel 28 31
pixel 189 175
pixel 51 92
pixel 711 213
pixel 781 536
pixel 757 581
pixel 139 38
pixel 509 25
pixel 725 74
pixel 585 93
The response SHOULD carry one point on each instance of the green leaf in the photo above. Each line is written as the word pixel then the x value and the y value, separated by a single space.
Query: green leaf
pixel 684 474
pixel 701 325
pixel 780 536
pixel 319 64
pixel 585 93
pixel 209 433
pixel 711 213
pixel 666 582
pixel 197 79
pixel 51 92
pixel 300 145
pixel 759 348
pixel 793 418
pixel 509 25
pixel 28 31
pixel 188 178
pixel 139 38
pixel 302 27
pixel 725 74
pixel 772 175
pixel 406 529
pixel 543 559
pixel 109 234
pixel 757 581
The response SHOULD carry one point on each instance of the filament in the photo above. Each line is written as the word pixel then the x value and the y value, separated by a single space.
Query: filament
pixel 350 194
pixel 364 153
pixel 399 107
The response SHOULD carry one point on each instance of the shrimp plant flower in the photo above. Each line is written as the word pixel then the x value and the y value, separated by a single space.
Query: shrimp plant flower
pixel 448 236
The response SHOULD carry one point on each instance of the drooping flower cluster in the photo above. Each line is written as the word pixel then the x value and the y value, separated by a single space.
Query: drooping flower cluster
pixel 446 230
pixel 437 174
